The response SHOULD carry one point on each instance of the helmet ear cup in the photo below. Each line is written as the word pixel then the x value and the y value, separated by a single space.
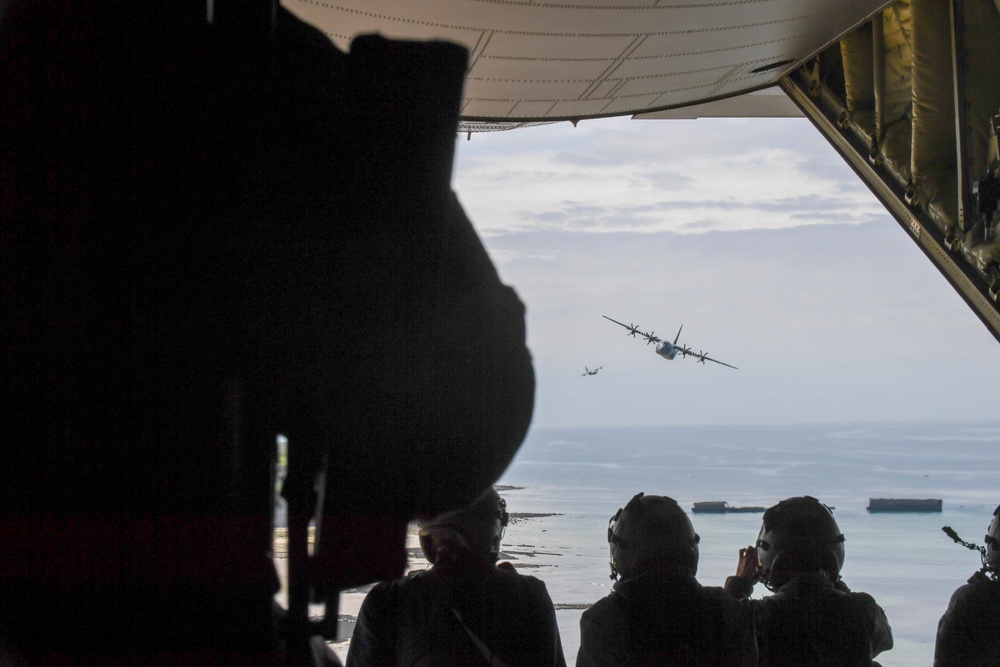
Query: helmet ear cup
pixel 499 527
pixel 991 560
pixel 767 555
pixel 616 542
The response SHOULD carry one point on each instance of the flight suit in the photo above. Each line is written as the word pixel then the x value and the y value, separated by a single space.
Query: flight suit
pixel 812 621
pixel 218 228
pixel 969 631
pixel 666 620
pixel 457 615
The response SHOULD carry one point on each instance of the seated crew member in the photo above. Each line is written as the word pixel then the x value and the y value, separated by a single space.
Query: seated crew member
pixel 658 613
pixel 813 618
pixel 465 609
pixel 969 631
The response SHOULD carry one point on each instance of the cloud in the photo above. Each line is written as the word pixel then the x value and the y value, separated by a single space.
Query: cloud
pixel 658 176
pixel 764 245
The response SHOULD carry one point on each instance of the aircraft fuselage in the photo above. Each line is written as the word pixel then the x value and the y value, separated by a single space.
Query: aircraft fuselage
pixel 666 350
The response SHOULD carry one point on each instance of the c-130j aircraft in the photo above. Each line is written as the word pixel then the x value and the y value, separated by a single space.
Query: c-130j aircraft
pixel 666 349
pixel 189 256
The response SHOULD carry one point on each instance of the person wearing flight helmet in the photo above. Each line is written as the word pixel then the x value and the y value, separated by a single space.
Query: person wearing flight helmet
pixel 813 618
pixel 465 609
pixel 658 613
pixel 968 633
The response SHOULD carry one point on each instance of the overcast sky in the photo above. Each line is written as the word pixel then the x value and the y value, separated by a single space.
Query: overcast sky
pixel 754 235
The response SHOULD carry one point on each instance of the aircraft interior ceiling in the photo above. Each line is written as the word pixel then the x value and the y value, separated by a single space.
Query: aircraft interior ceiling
pixel 903 90
pixel 551 60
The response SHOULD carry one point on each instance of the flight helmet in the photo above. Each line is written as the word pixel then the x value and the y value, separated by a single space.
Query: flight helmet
pixel 475 529
pixel 799 535
pixel 991 559
pixel 651 532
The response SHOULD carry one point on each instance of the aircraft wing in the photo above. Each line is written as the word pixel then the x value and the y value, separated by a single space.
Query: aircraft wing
pixel 634 330
pixel 721 363
pixel 623 325
pixel 686 351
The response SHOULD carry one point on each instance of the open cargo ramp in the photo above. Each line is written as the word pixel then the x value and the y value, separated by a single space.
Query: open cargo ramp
pixel 910 101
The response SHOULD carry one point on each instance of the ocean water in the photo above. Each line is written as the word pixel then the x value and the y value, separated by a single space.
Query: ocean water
pixel 580 477
pixel 904 560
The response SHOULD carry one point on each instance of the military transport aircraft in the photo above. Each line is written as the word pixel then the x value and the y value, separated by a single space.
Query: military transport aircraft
pixel 666 349
pixel 589 371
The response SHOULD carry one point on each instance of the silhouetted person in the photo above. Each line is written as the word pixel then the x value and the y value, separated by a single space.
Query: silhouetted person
pixel 465 610
pixel 968 633
pixel 218 227
pixel 812 618
pixel 658 613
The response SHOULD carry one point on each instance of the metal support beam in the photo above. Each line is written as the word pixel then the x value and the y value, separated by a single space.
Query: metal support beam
pixel 964 164
pixel 823 112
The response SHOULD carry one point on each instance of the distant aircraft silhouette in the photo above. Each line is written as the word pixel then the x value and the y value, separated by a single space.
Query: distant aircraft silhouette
pixel 588 371
pixel 665 348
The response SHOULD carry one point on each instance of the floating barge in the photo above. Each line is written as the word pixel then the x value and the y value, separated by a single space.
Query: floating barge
pixel 904 504
pixel 722 507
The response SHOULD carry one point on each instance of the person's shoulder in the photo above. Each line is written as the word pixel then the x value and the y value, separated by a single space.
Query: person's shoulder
pixel 519 591
pixel 609 613
pixel 855 604
pixel 406 585
pixel 978 590
pixel 720 603
pixel 721 596
pixel 380 589
pixel 508 572
pixel 610 602
pixel 507 568
pixel 509 577
pixel 983 583
pixel 378 599
pixel 859 597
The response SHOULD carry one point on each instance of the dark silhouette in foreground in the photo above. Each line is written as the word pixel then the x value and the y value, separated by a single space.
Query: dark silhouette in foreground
pixel 812 618
pixel 969 631
pixel 466 609
pixel 217 227
pixel 658 613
